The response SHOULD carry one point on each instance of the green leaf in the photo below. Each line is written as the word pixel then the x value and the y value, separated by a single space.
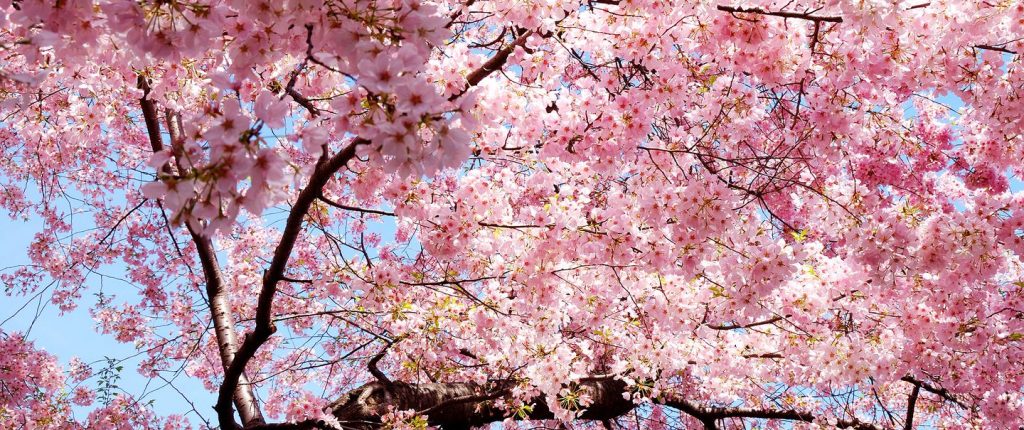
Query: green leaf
pixel 717 291
pixel 524 411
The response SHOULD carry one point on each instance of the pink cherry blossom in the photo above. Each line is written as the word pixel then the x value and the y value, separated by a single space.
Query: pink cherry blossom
pixel 432 213
pixel 271 109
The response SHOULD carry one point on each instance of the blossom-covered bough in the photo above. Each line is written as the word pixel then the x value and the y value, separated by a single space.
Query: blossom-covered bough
pixel 622 214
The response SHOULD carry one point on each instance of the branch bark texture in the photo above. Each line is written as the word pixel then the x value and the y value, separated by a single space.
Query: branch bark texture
pixel 220 307
pixel 464 405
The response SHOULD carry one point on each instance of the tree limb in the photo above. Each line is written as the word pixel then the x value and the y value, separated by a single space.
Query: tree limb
pixel 372 365
pixel 744 326
pixel 908 423
pixel 460 405
pixel 493 64
pixel 783 14
pixel 216 295
pixel 265 327
pixel 939 391
pixel 149 115
pixel 325 169
pixel 324 199
pixel 996 48
pixel 300 425
pixel 463 404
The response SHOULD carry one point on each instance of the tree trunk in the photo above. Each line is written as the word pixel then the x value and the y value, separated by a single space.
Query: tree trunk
pixel 464 405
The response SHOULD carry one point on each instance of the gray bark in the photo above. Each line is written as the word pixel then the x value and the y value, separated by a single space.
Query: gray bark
pixel 464 405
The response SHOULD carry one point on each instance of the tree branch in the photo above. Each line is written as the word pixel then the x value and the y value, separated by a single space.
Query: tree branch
pixel 302 101
pixel 264 324
pixel 738 326
pixel 374 370
pixel 996 48
pixel 149 114
pixel 796 15
pixel 939 391
pixel 710 414
pixel 216 295
pixel 462 405
pixel 464 399
pixel 908 423
pixel 301 425
pixel 325 169
pixel 493 64
pixel 324 199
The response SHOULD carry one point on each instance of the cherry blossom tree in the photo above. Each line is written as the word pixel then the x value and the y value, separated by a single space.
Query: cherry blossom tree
pixel 602 213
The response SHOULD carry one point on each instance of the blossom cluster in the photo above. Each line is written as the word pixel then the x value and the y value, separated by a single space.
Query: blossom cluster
pixel 811 205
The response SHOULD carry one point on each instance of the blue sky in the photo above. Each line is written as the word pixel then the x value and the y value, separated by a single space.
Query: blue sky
pixel 72 335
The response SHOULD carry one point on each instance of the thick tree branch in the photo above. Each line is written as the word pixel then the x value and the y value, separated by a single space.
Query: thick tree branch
pixel 464 399
pixel 374 370
pixel 220 306
pixel 301 425
pixel 463 405
pixel 264 328
pixel 711 414
pixel 314 189
pixel 149 115
pixel 908 423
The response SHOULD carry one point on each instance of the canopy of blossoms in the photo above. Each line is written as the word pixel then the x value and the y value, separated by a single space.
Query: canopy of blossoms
pixel 623 213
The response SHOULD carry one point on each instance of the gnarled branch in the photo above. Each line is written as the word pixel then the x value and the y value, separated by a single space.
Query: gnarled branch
pixel 460 405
